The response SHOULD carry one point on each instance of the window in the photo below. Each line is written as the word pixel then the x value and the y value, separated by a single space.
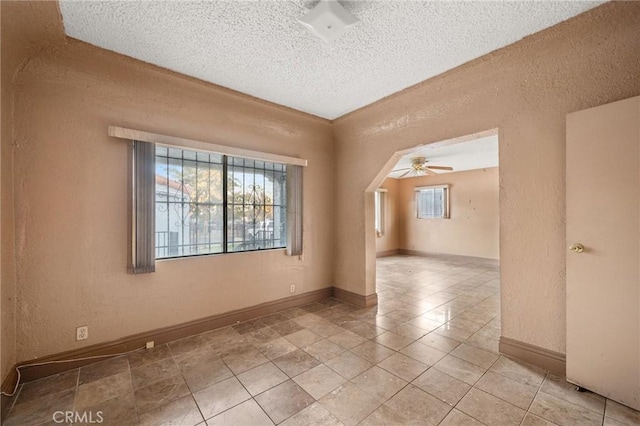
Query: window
pixel 380 196
pixel 210 203
pixel 432 202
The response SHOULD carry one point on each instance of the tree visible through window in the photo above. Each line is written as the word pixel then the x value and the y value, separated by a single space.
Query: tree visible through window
pixel 209 203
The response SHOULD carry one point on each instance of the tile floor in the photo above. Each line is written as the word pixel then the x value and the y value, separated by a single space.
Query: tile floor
pixel 427 354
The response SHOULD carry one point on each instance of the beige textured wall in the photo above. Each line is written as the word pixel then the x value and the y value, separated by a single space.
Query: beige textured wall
pixel 25 29
pixel 70 182
pixel 525 90
pixel 391 238
pixel 473 226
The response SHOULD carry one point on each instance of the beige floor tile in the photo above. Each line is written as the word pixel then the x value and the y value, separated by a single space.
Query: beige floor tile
pixel 409 330
pixel 148 356
pixel 452 332
pixel 39 410
pixel 183 412
pixel 372 352
pixel 531 419
pixel 423 353
pixel 319 381
pixel 402 366
pixel 348 365
pixel 93 393
pixel 286 327
pixel 513 392
pixel 294 313
pixel 563 412
pixel 475 356
pixel 489 409
pixel 520 371
pixel 247 413
pixel 217 398
pixel 160 393
pixel 458 418
pixel 201 369
pixel 313 415
pixel 379 382
pixel 262 378
pixel 392 340
pixel 261 336
pixel 38 388
pixel 385 416
pixel 426 324
pixel 622 413
pixel 610 421
pixel 149 374
pixel 326 329
pixel 460 369
pixel 467 324
pixel 248 326
pixel 189 344
pixel 324 350
pixel 442 386
pixel 484 343
pixel 303 338
pixel 558 386
pixel 417 405
pixel 350 404
pixel 284 400
pixel 295 362
pixel 437 341
pixel 113 412
pixel 366 330
pixel 244 358
pixel 276 348
pixel 347 339
pixel 102 369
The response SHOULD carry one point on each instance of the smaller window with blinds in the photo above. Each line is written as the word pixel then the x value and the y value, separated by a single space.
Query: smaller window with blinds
pixel 432 202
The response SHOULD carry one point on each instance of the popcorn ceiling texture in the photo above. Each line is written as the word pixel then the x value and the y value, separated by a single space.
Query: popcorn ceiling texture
pixel 260 49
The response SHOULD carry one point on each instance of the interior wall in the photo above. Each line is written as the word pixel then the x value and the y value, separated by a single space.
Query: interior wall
pixel 473 226
pixel 525 90
pixel 390 240
pixel 25 29
pixel 70 199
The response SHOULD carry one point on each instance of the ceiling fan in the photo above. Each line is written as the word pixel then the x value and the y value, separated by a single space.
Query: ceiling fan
pixel 419 167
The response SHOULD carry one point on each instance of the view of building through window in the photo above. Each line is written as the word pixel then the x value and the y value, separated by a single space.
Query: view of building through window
pixel 195 216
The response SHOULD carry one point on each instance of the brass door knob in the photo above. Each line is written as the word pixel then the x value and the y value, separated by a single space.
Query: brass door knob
pixel 577 247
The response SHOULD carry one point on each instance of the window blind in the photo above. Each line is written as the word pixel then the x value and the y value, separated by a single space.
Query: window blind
pixel 143 208
pixel 294 210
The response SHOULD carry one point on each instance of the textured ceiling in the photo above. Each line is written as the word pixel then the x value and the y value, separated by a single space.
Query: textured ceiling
pixel 259 48
pixel 473 154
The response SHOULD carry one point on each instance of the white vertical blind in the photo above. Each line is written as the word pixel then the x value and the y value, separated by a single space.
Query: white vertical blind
pixel 294 210
pixel 143 208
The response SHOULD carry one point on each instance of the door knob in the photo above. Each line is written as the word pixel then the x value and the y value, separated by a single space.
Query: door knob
pixel 577 247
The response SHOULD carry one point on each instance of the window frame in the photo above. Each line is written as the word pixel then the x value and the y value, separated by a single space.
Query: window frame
pixel 227 162
pixel 445 200
pixel 380 196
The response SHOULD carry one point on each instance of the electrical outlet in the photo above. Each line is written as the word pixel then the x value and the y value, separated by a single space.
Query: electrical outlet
pixel 292 288
pixel 150 344
pixel 82 332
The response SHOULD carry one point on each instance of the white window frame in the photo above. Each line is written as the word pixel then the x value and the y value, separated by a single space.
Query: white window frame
pixel 380 206
pixel 422 191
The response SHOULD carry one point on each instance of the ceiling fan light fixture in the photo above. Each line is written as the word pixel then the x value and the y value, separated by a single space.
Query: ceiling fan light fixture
pixel 328 20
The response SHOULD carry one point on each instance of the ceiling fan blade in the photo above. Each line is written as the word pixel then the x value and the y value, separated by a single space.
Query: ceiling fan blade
pixel 429 172
pixel 399 170
pixel 440 167
pixel 404 174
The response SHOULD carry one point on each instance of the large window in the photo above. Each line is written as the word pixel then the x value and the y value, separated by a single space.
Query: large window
pixel 432 202
pixel 210 203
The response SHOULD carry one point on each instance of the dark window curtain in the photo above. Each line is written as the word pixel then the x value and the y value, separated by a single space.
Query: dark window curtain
pixel 294 210
pixel 143 185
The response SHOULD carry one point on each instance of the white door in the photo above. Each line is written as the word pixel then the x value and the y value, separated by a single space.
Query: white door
pixel 603 281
